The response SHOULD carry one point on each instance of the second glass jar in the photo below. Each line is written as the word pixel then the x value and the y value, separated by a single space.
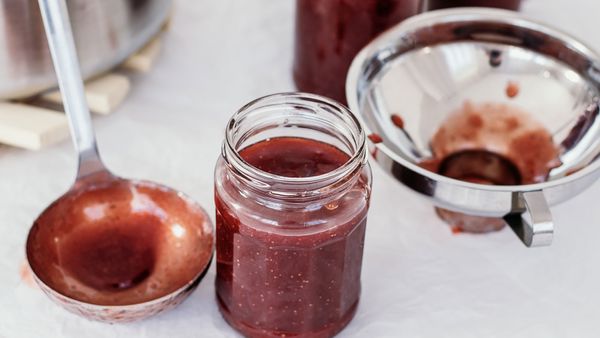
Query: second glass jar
pixel 329 34
pixel 292 190
pixel 505 4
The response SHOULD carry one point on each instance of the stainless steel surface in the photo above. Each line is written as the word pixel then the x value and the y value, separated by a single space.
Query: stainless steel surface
pixel 191 221
pixel 62 48
pixel 424 68
pixel 106 32
pixel 538 231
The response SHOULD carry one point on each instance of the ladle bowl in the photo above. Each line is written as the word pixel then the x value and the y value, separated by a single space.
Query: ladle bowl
pixel 407 84
pixel 117 250
pixel 111 249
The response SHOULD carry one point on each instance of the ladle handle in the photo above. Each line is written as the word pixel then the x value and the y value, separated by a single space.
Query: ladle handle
pixel 540 230
pixel 62 48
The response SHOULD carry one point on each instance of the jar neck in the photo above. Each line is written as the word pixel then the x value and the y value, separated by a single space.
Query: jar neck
pixel 295 115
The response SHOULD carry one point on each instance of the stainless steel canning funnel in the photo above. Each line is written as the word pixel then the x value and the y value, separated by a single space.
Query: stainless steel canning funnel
pixel 428 65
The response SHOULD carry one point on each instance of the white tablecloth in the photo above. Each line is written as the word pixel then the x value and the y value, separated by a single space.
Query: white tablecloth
pixel 419 280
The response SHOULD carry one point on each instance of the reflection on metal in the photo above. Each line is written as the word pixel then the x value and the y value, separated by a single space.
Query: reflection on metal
pixel 428 66
pixel 106 32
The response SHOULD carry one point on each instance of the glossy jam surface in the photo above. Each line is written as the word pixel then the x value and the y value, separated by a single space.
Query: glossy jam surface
pixel 294 157
pixel 329 33
pixel 290 271
pixel 506 4
pixel 119 243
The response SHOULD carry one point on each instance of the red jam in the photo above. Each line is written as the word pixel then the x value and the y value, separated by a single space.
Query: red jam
pixel 286 270
pixel 294 157
pixel 494 144
pixel 500 129
pixel 119 243
pixel 397 121
pixel 329 33
pixel 506 4
pixel 512 89
pixel 115 255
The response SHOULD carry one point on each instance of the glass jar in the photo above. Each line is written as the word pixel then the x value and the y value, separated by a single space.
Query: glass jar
pixel 329 33
pixel 506 4
pixel 292 190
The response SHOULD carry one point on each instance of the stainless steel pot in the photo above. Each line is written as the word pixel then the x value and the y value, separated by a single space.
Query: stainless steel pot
pixel 429 64
pixel 106 32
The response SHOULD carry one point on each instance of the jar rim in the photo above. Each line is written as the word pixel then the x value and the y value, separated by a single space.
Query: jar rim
pixel 296 99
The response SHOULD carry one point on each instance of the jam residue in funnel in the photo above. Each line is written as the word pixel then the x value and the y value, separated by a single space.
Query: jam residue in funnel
pixel 490 143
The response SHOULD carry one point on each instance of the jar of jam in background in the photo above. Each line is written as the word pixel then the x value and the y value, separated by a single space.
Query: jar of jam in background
pixel 329 34
pixel 506 4
pixel 292 190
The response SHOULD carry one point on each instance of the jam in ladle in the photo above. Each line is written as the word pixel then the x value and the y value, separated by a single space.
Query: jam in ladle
pixel 111 249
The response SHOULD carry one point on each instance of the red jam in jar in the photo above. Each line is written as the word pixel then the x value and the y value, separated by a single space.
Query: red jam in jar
pixel 329 34
pixel 506 4
pixel 292 191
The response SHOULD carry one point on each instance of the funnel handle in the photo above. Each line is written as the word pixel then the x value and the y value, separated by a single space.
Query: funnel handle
pixel 540 230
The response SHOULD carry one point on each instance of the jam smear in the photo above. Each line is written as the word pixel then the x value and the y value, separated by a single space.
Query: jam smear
pixel 26 275
pixel 397 121
pixel 502 130
pixel 512 89
pixel 463 223
pixel 494 144
pixel 374 153
pixel 456 230
pixel 292 272
pixel 375 138
pixel 112 256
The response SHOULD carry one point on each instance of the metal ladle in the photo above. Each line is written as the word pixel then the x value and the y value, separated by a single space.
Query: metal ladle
pixel 147 246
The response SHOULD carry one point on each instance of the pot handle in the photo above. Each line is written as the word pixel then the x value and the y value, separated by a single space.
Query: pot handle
pixel 540 230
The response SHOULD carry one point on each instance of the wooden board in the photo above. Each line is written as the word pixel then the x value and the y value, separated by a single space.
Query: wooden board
pixel 31 127
pixel 104 94
pixel 143 60
pixel 38 122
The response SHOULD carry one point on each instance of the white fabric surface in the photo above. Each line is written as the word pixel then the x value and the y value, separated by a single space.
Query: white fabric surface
pixel 419 280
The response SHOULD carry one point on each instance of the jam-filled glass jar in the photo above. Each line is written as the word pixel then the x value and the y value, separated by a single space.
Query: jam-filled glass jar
pixel 329 34
pixel 292 190
pixel 506 4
